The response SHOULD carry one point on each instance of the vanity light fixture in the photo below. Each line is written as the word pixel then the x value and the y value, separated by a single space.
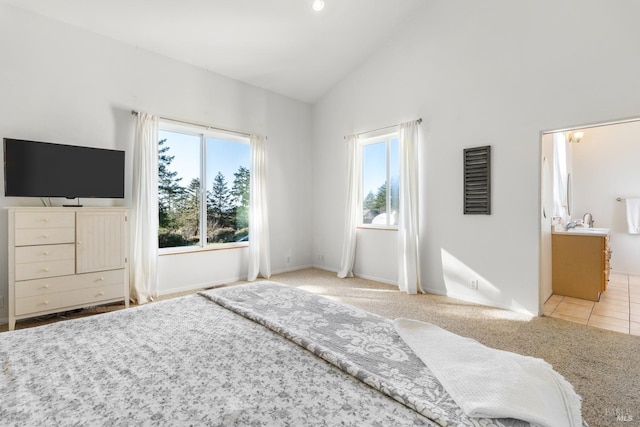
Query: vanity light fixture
pixel 575 136
pixel 317 5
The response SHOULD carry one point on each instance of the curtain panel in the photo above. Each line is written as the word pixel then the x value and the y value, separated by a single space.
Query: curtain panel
pixel 408 236
pixel 560 176
pixel 354 167
pixel 144 218
pixel 259 246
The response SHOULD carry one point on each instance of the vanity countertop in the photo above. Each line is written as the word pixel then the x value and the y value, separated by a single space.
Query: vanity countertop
pixel 579 231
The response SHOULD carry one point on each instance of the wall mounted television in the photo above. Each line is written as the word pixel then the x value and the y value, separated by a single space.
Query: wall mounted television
pixel 44 169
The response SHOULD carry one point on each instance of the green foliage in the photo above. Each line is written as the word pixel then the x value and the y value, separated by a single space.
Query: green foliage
pixel 179 206
pixel 169 189
pixel 172 240
pixel 222 235
pixel 369 201
pixel 242 235
pixel 240 194
pixel 377 202
pixel 219 203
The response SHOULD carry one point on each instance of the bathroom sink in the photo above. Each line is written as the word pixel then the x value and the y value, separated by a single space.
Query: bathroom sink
pixel 580 230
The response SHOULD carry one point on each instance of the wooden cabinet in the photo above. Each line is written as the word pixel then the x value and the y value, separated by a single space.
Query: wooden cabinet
pixel 580 265
pixel 66 258
pixel 99 241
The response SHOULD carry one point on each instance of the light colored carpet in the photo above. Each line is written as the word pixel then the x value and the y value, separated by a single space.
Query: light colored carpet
pixel 603 366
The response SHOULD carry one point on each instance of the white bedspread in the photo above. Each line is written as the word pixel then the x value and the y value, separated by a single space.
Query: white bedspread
pixel 492 383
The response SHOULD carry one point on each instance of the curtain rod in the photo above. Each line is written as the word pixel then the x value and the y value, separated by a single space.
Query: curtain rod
pixel 386 127
pixel 135 113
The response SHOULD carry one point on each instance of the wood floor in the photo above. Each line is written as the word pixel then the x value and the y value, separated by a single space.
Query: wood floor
pixel 618 309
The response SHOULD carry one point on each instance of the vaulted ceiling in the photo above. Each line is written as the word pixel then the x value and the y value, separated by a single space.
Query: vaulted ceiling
pixel 279 45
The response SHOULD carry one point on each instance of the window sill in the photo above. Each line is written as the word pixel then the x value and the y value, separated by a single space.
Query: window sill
pixel 378 227
pixel 192 249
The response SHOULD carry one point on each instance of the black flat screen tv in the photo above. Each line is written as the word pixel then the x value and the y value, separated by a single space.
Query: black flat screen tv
pixel 44 169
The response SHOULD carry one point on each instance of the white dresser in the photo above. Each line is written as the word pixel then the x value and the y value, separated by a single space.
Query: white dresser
pixel 66 258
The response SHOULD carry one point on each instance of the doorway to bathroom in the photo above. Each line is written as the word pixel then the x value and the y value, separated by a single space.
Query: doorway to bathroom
pixel 600 171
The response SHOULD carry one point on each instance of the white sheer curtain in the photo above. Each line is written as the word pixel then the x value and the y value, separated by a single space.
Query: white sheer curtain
pixel 351 219
pixel 408 251
pixel 560 176
pixel 259 254
pixel 144 218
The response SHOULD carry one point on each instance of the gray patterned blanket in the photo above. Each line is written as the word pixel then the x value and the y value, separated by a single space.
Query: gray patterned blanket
pixel 181 362
pixel 361 344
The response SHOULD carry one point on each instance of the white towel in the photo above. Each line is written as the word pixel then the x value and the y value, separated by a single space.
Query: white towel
pixel 490 383
pixel 633 215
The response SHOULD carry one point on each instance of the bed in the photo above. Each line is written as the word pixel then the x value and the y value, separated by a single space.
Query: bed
pixel 260 354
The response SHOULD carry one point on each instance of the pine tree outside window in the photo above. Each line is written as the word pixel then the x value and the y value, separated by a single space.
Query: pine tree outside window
pixel 193 215
pixel 380 181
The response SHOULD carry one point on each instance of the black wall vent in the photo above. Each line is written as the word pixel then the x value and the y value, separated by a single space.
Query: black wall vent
pixel 477 180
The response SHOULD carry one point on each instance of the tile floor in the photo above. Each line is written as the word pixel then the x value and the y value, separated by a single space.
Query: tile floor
pixel 618 309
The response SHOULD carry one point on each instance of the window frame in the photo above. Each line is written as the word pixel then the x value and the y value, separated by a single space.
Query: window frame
pixel 370 138
pixel 203 133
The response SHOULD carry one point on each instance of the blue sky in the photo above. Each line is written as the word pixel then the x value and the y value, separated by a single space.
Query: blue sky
pixel 227 156
pixel 224 156
pixel 374 165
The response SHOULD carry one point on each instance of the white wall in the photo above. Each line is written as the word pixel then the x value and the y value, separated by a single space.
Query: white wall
pixel 61 84
pixel 546 204
pixel 606 165
pixel 494 73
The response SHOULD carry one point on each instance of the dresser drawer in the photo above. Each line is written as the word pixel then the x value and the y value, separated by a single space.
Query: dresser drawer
pixel 44 236
pixel 29 288
pixel 27 254
pixel 65 258
pixel 38 270
pixel 61 300
pixel 45 219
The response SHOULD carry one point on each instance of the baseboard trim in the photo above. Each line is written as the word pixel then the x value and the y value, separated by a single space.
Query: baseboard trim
pixel 361 276
pixel 226 281
pixel 434 291
pixel 201 286
pixel 377 279
pixel 325 268
pixel 482 301
pixel 290 269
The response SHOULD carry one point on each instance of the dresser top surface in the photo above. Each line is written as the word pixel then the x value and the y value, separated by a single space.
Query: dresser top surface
pixel 65 209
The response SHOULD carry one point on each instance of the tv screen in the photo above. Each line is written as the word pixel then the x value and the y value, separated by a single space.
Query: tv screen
pixel 43 169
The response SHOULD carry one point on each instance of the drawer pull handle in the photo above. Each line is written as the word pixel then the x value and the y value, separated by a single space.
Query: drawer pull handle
pixel 45 219
pixel 46 303
pixel 45 253
pixel 79 242
pixel 46 270
pixel 101 279
pixel 46 286
pixel 46 236
pixel 101 294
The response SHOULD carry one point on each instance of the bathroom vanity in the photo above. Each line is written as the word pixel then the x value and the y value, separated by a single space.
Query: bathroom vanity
pixel 580 262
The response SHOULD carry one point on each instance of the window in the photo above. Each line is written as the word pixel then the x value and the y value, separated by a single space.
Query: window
pixel 188 157
pixel 380 180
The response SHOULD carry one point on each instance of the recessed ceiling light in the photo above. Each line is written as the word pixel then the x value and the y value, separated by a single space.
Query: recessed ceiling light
pixel 317 5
